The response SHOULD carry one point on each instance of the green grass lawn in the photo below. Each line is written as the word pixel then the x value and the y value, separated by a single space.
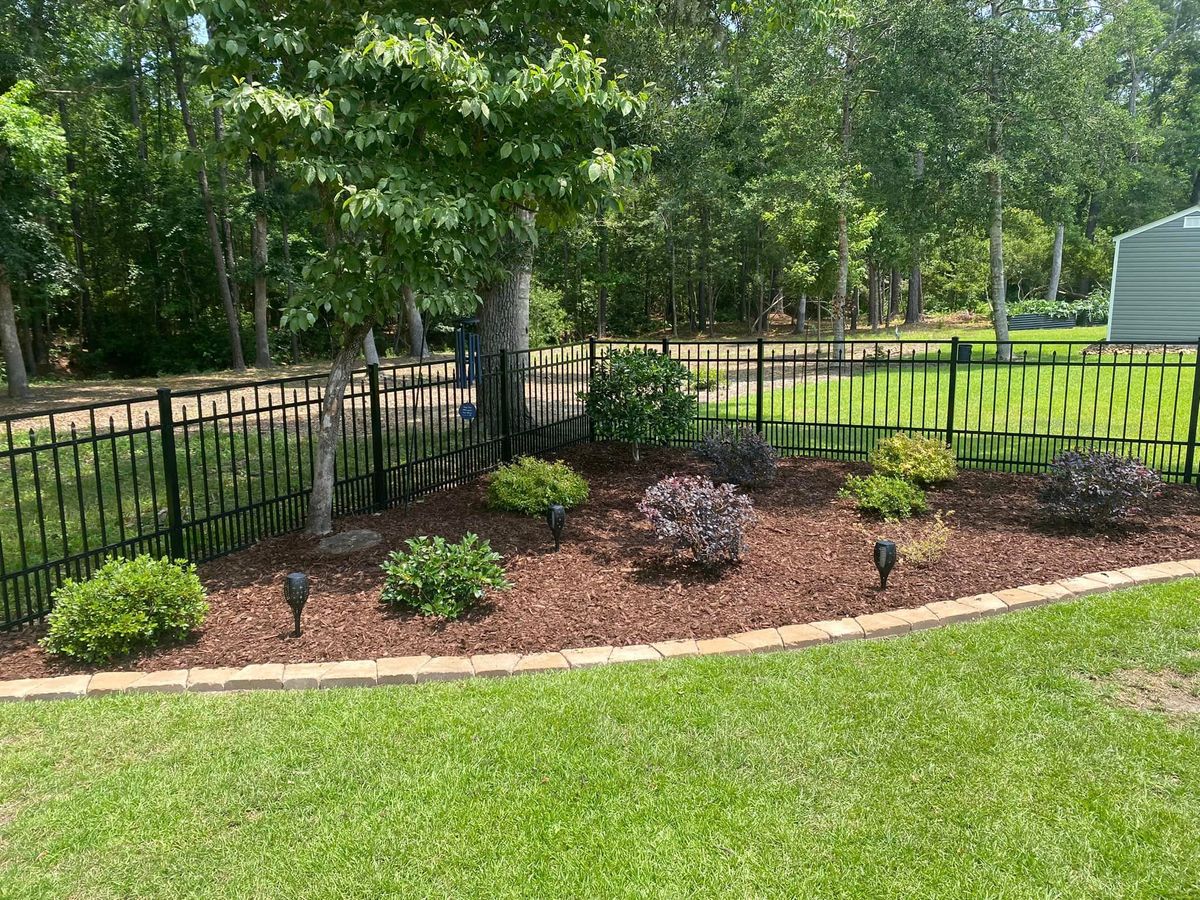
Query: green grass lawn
pixel 972 761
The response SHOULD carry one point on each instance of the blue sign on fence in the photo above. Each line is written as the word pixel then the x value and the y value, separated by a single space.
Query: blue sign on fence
pixel 468 411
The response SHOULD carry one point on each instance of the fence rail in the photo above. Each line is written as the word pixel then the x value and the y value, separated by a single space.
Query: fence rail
pixel 202 473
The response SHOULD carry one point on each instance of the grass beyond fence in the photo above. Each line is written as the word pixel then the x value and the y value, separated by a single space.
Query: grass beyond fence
pixel 80 484
pixel 991 759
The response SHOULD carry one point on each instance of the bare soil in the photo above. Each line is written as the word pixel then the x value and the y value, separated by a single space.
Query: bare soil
pixel 1167 692
pixel 614 583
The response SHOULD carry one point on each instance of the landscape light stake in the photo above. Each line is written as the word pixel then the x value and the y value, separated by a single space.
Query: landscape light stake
pixel 556 518
pixel 885 559
pixel 295 592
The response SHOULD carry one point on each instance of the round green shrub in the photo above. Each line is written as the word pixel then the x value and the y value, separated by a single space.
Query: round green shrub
pixel 884 496
pixel 531 485
pixel 921 460
pixel 127 605
pixel 438 578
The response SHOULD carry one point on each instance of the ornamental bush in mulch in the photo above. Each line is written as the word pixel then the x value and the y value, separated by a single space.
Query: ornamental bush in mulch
pixel 614 583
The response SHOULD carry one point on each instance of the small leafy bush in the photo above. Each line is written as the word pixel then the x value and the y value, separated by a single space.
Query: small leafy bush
pixel 1088 487
pixel 740 456
pixel 438 578
pixel 921 460
pixel 885 496
pixel 531 485
pixel 127 605
pixel 639 395
pixel 709 377
pixel 708 520
pixel 931 546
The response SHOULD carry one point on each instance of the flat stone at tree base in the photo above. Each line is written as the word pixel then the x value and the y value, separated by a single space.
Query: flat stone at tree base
pixel 350 541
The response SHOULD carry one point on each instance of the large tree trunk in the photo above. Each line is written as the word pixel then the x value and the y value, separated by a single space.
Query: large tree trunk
pixel 10 341
pixel 258 241
pixel 416 325
pixel 1055 263
pixel 801 313
pixel 998 281
pixel 873 304
pixel 135 102
pixel 704 291
pixel 214 236
pixel 839 292
pixel 285 248
pixel 672 302
pixel 893 309
pixel 85 294
pixel 226 220
pixel 504 326
pixel 329 430
pixel 912 309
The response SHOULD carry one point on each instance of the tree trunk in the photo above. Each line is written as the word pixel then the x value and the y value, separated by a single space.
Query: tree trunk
pixel 801 313
pixel 370 351
pixel 85 294
pixel 671 282
pixel 912 309
pixel 893 295
pixel 285 248
pixel 329 429
pixel 135 104
pixel 416 325
pixel 504 325
pixel 873 316
pixel 262 338
pixel 226 221
pixel 214 236
pixel 998 282
pixel 10 342
pixel 839 293
pixel 704 298
pixel 1055 263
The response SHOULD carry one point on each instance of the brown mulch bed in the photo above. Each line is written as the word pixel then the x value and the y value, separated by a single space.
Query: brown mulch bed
pixel 612 583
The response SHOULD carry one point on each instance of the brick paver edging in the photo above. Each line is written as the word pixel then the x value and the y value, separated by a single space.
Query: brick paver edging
pixel 418 669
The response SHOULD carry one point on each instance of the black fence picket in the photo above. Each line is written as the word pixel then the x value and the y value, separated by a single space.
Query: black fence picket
pixel 203 473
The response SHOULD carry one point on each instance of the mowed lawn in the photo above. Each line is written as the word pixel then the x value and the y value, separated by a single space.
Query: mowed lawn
pixel 983 760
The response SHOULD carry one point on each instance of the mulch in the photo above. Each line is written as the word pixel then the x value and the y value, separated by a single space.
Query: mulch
pixel 614 583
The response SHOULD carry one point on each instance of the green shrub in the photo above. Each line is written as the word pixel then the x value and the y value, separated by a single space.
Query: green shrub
pixel 931 546
pixel 438 578
pixel 531 485
pixel 639 395
pixel 921 460
pixel 708 377
pixel 127 605
pixel 548 322
pixel 882 495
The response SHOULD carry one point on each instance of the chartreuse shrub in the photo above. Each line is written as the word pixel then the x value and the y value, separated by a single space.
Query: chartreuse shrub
pixel 438 578
pixel 127 605
pixel 638 396
pixel 1088 487
pixel 884 496
pixel 921 460
pixel 531 485
pixel 708 520
pixel 739 456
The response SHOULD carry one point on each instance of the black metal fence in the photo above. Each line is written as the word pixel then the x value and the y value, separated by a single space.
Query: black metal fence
pixel 203 473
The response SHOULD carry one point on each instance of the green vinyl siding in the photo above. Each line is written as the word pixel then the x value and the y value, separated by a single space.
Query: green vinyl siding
pixel 1156 285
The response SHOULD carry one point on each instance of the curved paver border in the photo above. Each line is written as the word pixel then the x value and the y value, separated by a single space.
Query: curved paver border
pixel 420 669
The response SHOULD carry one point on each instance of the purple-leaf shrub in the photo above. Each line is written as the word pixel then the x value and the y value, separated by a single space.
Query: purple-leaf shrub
pixel 709 520
pixel 1088 487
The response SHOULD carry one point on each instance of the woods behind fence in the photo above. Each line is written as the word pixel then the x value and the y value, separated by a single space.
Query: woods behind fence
pixel 201 473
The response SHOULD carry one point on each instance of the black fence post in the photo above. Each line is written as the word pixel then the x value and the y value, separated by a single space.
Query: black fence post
pixel 166 426
pixel 666 347
pixel 758 404
pixel 590 374
pixel 950 392
pixel 506 452
pixel 1189 465
pixel 378 474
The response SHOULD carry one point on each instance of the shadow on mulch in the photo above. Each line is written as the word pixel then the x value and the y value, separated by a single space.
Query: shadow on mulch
pixel 613 583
